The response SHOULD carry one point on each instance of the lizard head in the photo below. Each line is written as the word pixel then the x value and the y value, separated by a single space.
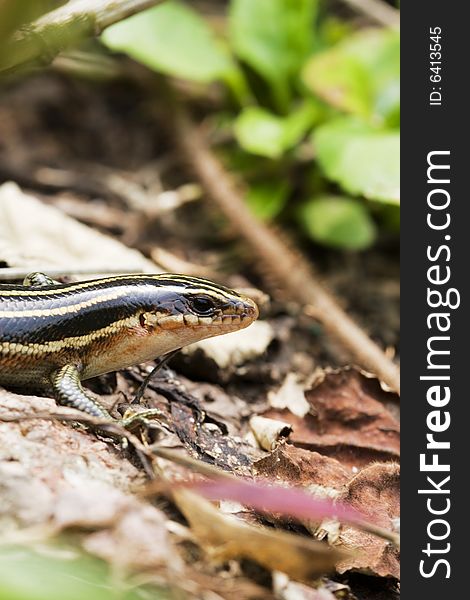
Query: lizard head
pixel 194 309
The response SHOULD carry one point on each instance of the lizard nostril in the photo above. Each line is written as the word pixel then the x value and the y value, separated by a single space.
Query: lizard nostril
pixel 249 308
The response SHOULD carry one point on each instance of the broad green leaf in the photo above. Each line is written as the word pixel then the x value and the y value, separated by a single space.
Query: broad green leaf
pixel 378 51
pixel 339 222
pixel 261 132
pixel 174 39
pixel 341 81
pixel 362 159
pixel 274 37
pixel 27 575
pixel 332 30
pixel 360 75
pixel 299 122
pixel 267 198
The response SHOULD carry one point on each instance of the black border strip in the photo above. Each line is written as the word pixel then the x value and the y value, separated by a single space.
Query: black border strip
pixel 428 128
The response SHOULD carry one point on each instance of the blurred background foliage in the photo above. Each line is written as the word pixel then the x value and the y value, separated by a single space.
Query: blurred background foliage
pixel 312 108
pixel 55 572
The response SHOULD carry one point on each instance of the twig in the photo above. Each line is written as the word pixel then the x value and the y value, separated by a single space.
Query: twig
pixel 146 455
pixel 180 458
pixel 174 264
pixel 41 41
pixel 378 11
pixel 274 254
pixel 218 475
pixel 11 273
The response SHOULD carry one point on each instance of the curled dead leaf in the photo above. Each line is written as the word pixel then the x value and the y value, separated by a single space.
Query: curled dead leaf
pixel 293 590
pixel 60 241
pixel 300 467
pixel 269 433
pixel 376 491
pixel 347 423
pixel 291 396
pixel 226 537
pixel 139 539
pixel 235 348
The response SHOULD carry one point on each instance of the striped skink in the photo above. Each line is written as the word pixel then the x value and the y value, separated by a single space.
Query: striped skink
pixel 54 335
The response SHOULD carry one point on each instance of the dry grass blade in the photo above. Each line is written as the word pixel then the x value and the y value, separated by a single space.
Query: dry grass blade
pixel 11 273
pixel 273 498
pixel 377 11
pixel 227 537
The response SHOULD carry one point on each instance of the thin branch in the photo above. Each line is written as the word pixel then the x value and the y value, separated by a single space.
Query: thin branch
pixel 146 455
pixel 274 255
pixel 12 273
pixel 377 11
pixel 39 43
pixel 240 483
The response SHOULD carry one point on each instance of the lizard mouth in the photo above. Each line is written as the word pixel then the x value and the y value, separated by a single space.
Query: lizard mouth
pixel 240 315
pixel 244 311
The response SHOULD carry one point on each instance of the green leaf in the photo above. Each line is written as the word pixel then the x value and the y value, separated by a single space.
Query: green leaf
pixel 362 159
pixel 339 222
pixel 360 75
pixel 299 122
pixel 378 51
pixel 341 81
pixel 274 37
pixel 267 198
pixel 27 575
pixel 174 39
pixel 261 132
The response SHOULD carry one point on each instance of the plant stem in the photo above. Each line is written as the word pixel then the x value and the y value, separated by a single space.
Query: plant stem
pixel 377 11
pixel 275 255
pixel 38 43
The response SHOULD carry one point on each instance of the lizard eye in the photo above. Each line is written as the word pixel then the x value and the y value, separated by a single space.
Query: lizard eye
pixel 202 305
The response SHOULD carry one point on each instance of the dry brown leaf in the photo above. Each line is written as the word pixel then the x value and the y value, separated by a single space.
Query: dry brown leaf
pixel 231 409
pixel 291 396
pixel 226 537
pixel 223 450
pixel 269 433
pixel 60 241
pixel 297 466
pixel 235 348
pixel 52 473
pixel 348 422
pixel 375 491
pixel 86 503
pixel 321 475
pixel 139 539
pixel 292 590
